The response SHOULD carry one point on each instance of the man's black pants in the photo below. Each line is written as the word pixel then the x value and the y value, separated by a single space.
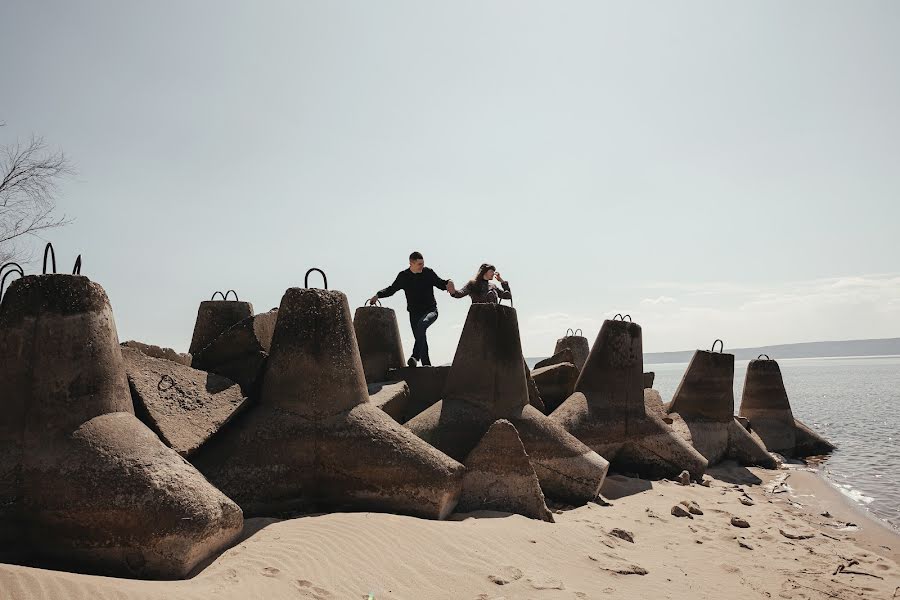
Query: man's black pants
pixel 420 324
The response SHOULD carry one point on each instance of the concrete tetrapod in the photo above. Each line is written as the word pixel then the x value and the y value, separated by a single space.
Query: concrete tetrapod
pixel 563 356
pixel 704 400
pixel 426 386
pixel 500 477
pixel 578 345
pixel 486 383
pixel 183 406
pixel 82 480
pixel 392 397
pixel 608 412
pixel 240 352
pixel 765 403
pixel 214 317
pixel 378 336
pixel 555 383
pixel 314 441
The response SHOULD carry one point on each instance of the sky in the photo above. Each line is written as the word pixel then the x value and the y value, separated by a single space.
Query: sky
pixel 715 169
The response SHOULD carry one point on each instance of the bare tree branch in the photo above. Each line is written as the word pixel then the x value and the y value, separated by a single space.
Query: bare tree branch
pixel 29 178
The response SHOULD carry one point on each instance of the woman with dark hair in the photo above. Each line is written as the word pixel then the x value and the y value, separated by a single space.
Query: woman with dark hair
pixel 481 290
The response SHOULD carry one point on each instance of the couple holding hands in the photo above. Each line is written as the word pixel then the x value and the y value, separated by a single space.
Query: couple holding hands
pixel 418 282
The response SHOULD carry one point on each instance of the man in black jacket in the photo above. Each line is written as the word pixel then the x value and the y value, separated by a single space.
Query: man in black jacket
pixel 418 281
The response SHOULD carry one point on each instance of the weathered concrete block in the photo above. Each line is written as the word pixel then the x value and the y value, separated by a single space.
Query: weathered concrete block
pixel 158 352
pixel 487 382
pixel 214 317
pixel 704 400
pixel 765 403
pixel 378 336
pixel 563 356
pixel 392 397
pixel 184 406
pixel 314 441
pixel 609 410
pixel 578 344
pixel 240 352
pixel 426 385
pixel 555 383
pixel 499 476
pixel 247 336
pixel 534 394
pixel 79 458
pixel 809 442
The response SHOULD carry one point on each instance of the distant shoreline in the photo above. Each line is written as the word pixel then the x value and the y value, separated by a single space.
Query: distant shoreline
pixel 834 349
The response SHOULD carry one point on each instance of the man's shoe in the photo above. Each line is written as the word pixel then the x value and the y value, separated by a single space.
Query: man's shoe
pixel 411 362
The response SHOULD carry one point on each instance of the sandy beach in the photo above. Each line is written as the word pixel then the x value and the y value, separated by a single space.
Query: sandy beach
pixel 789 550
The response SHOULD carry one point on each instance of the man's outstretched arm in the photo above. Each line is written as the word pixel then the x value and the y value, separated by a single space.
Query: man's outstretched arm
pixel 441 284
pixel 389 290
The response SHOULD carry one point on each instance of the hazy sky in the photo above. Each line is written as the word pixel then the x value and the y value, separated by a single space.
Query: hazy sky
pixel 716 169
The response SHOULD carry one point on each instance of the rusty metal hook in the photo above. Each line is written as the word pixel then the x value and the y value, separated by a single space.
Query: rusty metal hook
pixel 13 268
pixel 49 248
pixel 320 271
pixel 77 269
pixel 165 379
pixel 721 346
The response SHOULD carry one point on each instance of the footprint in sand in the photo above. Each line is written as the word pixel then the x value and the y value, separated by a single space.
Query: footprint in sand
pixel 546 583
pixel 270 571
pixel 312 591
pixel 506 575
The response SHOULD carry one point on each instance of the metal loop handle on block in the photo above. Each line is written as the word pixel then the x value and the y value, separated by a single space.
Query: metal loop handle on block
pixel 49 249
pixel 761 355
pixel 219 293
pixel 721 346
pixel 570 334
pixel 231 292
pixel 320 272
pixel 627 317
pixel 500 302
pixel 165 383
pixel 618 317
pixel 578 333
pixel 13 268
pixel 77 269
pixel 377 302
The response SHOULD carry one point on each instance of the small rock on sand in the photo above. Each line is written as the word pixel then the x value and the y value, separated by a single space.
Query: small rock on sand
pixel 792 535
pixel 692 507
pixel 621 533
pixel 746 501
pixel 684 478
pixel 680 511
pixel 739 522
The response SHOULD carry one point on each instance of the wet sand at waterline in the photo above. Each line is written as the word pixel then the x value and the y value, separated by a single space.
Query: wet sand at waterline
pixel 789 550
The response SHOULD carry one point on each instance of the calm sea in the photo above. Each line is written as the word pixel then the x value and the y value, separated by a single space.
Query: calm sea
pixel 854 403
